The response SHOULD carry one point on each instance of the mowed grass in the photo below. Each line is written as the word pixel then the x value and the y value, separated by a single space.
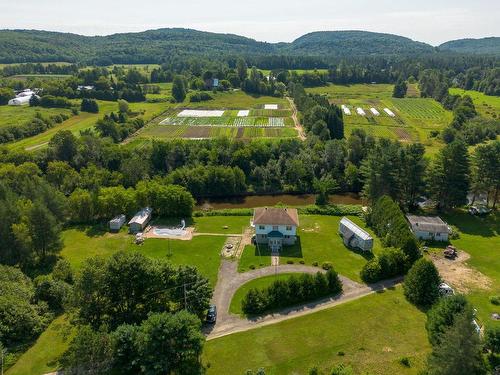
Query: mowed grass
pixel 260 283
pixel 221 224
pixel 43 356
pixel 356 91
pixel 236 99
pixel 487 106
pixel 203 252
pixel 19 115
pixel 372 332
pixel 480 237
pixel 319 242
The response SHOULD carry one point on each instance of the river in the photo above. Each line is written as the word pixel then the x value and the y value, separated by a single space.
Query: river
pixel 252 201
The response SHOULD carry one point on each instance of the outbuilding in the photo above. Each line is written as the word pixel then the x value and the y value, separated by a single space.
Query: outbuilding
pixel 140 220
pixel 354 236
pixel 116 223
pixel 431 228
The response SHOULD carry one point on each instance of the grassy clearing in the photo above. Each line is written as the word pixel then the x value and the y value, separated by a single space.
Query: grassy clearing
pixel 357 91
pixel 372 332
pixel 202 252
pixel 319 242
pixel 43 356
pixel 218 224
pixel 261 283
pixel 18 115
pixel 487 106
pixel 480 237
pixel 237 100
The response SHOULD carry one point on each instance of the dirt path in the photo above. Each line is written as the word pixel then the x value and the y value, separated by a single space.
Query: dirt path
pixel 229 280
pixel 295 117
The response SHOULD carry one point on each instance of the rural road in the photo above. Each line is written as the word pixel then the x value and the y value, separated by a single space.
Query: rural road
pixel 295 117
pixel 229 280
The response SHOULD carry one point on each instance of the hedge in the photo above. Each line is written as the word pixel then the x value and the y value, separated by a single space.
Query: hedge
pixel 331 210
pixel 290 292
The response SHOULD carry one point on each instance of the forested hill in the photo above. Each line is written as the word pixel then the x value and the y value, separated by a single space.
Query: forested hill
pixel 478 46
pixel 156 46
pixel 346 43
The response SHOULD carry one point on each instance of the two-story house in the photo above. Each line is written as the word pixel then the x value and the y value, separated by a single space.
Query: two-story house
pixel 275 227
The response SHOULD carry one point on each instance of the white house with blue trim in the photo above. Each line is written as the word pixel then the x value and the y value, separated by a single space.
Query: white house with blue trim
pixel 275 226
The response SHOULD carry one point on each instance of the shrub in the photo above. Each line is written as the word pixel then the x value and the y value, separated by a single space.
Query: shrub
pixel 371 271
pixel 289 261
pixel 405 361
pixel 251 266
pixel 327 266
pixel 282 293
pixel 421 285
pixel 302 262
pixel 495 300
pixel 200 97
pixel 315 264
pixel 492 338
pixel 54 292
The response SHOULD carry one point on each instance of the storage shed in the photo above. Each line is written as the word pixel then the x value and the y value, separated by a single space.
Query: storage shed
pixel 116 223
pixel 140 220
pixel 354 236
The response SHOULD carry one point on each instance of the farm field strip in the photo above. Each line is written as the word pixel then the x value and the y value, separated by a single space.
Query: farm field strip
pixel 225 121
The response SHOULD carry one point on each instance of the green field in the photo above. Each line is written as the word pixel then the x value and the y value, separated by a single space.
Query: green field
pixel 487 106
pixel 319 242
pixel 415 117
pixel 17 115
pixel 261 283
pixel 372 333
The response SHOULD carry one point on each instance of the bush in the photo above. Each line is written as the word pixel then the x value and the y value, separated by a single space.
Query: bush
pixel 492 338
pixel 283 293
pixel 200 97
pixel 442 316
pixel 495 300
pixel 62 271
pixel 89 105
pixel 390 263
pixel 289 261
pixel 54 292
pixel 327 266
pixel 315 264
pixel 302 262
pixel 405 361
pixel 421 285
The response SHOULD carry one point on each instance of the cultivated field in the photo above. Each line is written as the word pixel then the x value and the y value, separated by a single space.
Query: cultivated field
pixel 17 115
pixel 415 118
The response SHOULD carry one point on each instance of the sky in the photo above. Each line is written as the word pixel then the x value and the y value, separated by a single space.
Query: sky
pixel 430 21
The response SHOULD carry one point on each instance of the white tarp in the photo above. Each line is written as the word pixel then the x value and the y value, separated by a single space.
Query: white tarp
pixel 270 106
pixel 360 111
pixel 375 112
pixel 346 110
pixel 244 113
pixel 200 113
pixel 389 112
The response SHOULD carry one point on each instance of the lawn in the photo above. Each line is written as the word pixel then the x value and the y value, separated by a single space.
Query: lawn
pixel 236 99
pixel 372 333
pixel 319 242
pixel 487 106
pixel 261 283
pixel 217 224
pixel 480 237
pixel 43 356
pixel 202 252
pixel 356 91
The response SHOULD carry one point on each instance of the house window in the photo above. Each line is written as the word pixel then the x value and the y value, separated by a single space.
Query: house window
pixel 275 227
pixel 438 234
pixel 262 227
pixel 289 227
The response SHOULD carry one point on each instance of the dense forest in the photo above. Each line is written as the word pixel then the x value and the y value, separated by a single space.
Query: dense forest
pixel 166 45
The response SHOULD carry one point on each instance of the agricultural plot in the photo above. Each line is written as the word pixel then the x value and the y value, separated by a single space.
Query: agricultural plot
pixel 487 106
pixel 423 109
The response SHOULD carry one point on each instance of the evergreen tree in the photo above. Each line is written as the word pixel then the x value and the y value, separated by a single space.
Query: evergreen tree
pixel 178 89
pixel 421 285
pixel 459 352
pixel 449 176
pixel 242 69
pixel 400 89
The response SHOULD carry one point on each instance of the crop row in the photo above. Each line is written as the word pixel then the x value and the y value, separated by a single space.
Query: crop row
pixel 225 121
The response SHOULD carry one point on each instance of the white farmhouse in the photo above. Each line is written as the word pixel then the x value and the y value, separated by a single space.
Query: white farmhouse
pixel 354 236
pixel 140 220
pixel 275 227
pixel 429 228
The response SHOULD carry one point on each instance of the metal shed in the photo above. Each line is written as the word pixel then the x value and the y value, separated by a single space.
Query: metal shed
pixel 116 223
pixel 140 220
pixel 354 236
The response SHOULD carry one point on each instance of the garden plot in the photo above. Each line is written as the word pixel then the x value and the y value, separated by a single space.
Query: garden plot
pixel 200 113
pixel 276 121
pixel 243 113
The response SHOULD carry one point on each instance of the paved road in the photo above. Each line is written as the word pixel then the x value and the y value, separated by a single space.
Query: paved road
pixel 229 280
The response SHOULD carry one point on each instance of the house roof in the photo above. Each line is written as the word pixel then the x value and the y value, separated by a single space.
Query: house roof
pixel 361 233
pixel 142 216
pixel 276 216
pixel 432 224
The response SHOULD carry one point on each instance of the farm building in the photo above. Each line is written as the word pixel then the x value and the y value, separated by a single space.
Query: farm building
pixel 354 236
pixel 116 223
pixel 140 220
pixel 275 226
pixel 429 227
pixel 20 100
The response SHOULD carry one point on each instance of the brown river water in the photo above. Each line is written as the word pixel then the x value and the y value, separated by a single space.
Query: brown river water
pixel 252 201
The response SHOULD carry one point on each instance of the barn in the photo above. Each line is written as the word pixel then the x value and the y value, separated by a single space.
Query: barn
pixel 140 220
pixel 354 236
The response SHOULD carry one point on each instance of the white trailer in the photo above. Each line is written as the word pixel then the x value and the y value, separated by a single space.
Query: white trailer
pixel 116 223
pixel 354 236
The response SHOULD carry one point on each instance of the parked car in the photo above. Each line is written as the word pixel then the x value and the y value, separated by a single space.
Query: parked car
pixel 212 314
pixel 479 210
pixel 446 290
